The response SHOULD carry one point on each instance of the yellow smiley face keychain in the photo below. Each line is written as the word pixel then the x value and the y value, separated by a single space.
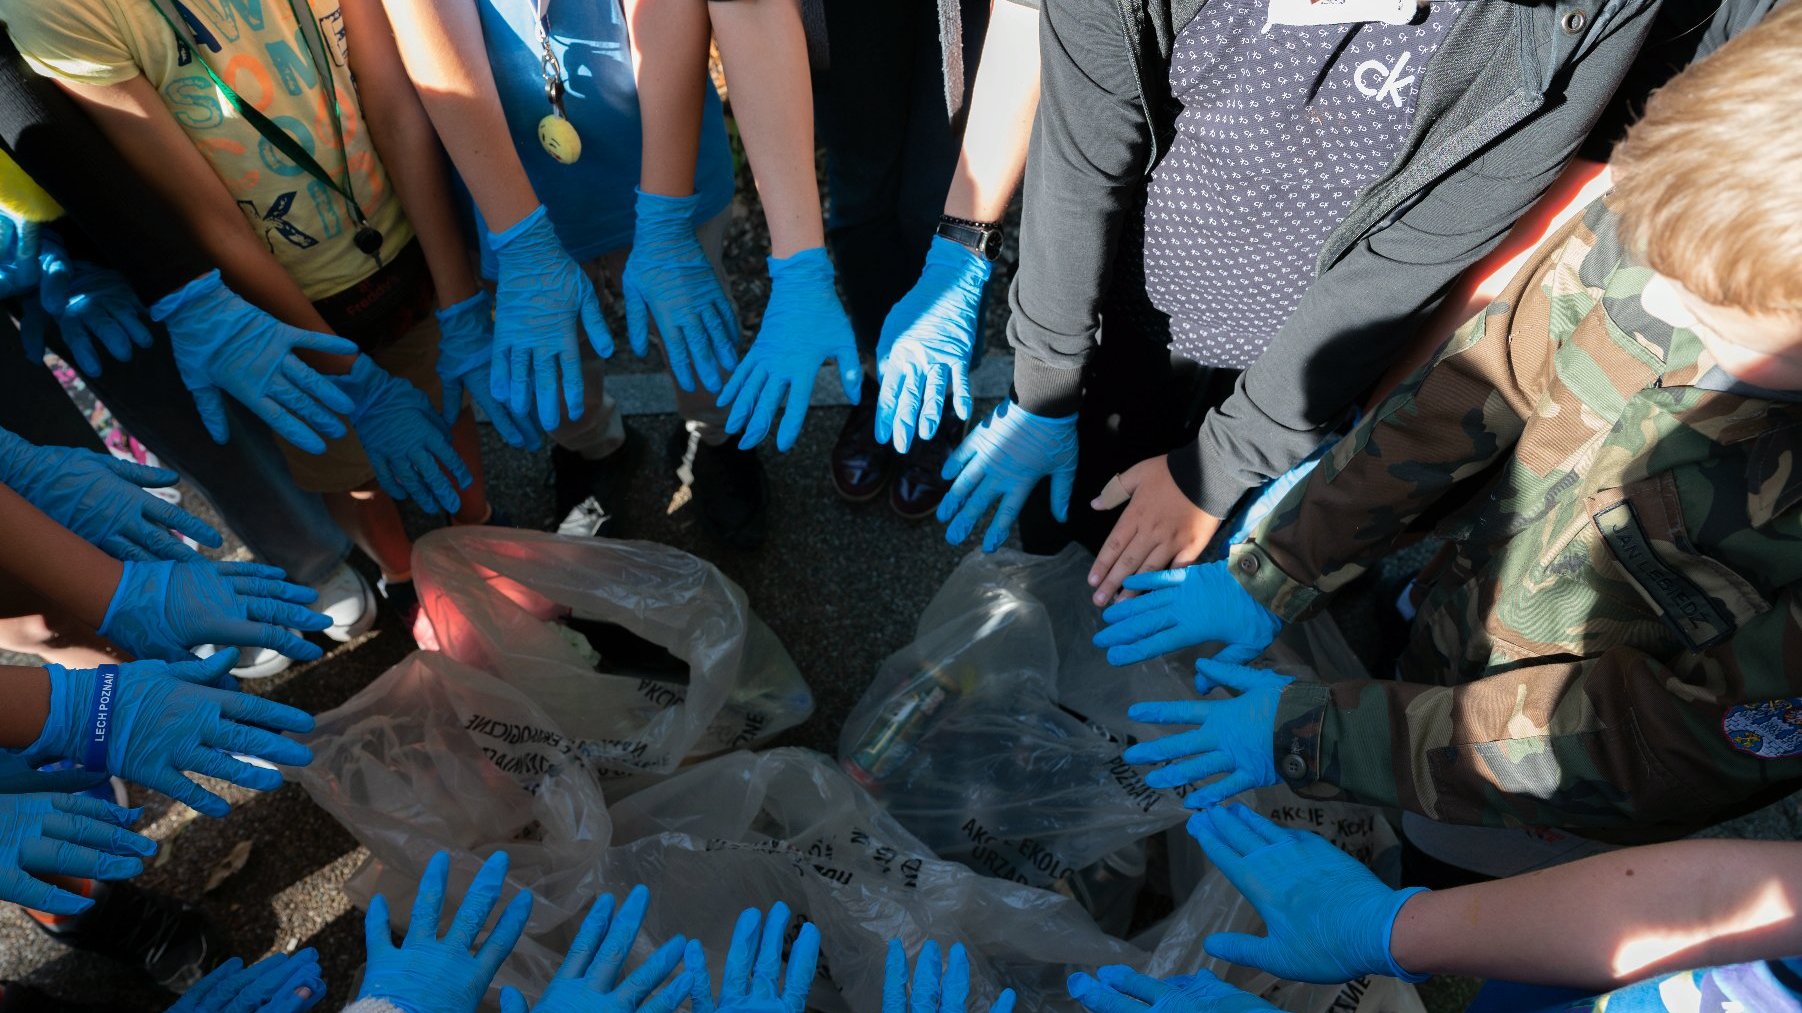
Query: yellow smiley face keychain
pixel 559 139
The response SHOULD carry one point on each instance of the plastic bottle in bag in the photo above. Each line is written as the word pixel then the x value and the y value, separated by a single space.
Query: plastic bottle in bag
pixel 895 734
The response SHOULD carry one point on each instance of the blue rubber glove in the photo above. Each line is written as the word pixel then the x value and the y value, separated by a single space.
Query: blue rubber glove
pixel 1327 918
pixel 669 279
pixel 540 295
pixel 923 356
pixel 164 610
pixel 101 498
pixel 754 980
pixel 89 304
pixel 1234 736
pixel 147 721
pixel 465 356
pixel 44 835
pixel 998 465
pixel 1124 990
pixel 407 442
pixel 19 270
pixel 17 777
pixel 1195 605
pixel 589 979
pixel 804 325
pixel 224 345
pixel 284 983
pixel 931 992
pixel 429 974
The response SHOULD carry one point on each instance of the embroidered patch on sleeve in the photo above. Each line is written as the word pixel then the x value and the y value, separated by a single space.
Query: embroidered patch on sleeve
pixel 1772 729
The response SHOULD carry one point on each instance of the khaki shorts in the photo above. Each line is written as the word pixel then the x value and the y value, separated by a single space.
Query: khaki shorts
pixel 344 466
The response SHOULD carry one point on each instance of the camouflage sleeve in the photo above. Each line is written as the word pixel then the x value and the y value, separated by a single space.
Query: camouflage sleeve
pixel 1449 420
pixel 1619 741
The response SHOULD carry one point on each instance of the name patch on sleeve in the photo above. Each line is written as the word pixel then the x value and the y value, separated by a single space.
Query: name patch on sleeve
pixel 1771 730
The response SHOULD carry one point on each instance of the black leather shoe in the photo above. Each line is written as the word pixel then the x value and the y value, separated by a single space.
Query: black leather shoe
pixel 727 484
pixel 918 489
pixel 860 465
pixel 171 941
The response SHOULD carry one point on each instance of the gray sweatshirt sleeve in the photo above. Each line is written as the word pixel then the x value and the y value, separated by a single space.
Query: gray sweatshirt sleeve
pixel 1362 311
pixel 1084 169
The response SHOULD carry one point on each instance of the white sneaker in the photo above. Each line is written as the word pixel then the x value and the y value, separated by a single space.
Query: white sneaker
pixel 258 662
pixel 346 597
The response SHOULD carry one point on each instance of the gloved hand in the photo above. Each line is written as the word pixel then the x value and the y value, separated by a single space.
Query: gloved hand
pixel 998 465
pixel 44 835
pixel 1327 918
pixel 147 721
pixel 540 296
pixel 283 983
pixel 1124 990
pixel 669 279
pixel 406 440
pixel 224 345
pixel 1183 608
pixel 18 777
pixel 465 356
pixel 804 325
pixel 754 981
pixel 1234 737
pixel 931 994
pixel 19 242
pixel 923 356
pixel 89 303
pixel 164 610
pixel 101 498
pixel 428 974
pixel 588 981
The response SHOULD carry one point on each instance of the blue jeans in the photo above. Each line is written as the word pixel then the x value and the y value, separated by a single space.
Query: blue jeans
pixel 246 479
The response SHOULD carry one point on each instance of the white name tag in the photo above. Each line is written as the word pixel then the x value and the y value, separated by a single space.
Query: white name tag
pixel 1340 12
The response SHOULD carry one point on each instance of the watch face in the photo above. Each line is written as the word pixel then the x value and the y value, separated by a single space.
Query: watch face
pixel 991 244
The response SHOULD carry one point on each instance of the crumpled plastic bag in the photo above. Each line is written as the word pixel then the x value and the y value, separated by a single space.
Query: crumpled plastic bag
pixel 509 602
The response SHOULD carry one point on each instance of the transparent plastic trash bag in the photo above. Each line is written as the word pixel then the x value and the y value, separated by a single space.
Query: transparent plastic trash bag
pixel 648 654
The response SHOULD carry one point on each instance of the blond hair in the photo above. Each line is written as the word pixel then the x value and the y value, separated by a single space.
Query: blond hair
pixel 1708 183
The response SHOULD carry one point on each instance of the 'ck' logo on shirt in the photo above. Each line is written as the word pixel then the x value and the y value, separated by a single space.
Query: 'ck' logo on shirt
pixel 1392 81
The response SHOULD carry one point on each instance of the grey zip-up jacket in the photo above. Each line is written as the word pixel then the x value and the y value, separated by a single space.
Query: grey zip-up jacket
pixel 1510 96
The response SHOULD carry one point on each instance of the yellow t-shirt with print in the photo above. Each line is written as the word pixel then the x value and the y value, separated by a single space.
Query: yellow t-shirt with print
pixel 256 48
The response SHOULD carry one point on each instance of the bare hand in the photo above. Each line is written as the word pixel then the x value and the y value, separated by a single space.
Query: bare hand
pixel 1160 530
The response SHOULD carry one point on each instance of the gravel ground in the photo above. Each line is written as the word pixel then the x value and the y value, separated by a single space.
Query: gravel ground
pixel 841 584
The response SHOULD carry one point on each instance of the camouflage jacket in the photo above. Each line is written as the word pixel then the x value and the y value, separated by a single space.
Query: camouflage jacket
pixel 1612 638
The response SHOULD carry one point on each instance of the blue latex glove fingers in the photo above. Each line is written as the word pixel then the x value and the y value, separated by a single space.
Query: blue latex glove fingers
pixel 249 740
pixel 644 979
pixel 218 765
pixel 512 1001
pixel 940 380
pixel 478 903
pixel 700 980
pixel 723 332
pixel 213 672
pixel 1004 1003
pixel 200 996
pixel 594 324
pixel 622 931
pixel 209 403
pixel 894 978
pixel 161 513
pixel 803 963
pixel 923 997
pixel 740 956
pixel 1100 998
pixel 638 334
pixel 768 968
pixel 17 777
pixel 1127 981
pixel 670 997
pixel 896 379
pixel 1006 513
pixel 580 955
pixel 517 430
pixel 745 393
pixel 794 412
pixel 971 496
pixel 304 393
pixel 1192 770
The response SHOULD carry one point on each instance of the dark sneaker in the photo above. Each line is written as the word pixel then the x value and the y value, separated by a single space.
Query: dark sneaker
pixel 588 493
pixel 17 998
pixel 860 465
pixel 172 942
pixel 726 483
pixel 918 488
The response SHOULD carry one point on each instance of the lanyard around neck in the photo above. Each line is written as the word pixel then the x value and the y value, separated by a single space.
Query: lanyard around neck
pixel 367 238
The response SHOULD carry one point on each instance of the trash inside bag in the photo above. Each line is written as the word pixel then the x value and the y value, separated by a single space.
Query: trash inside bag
pixel 985 739
pixel 647 654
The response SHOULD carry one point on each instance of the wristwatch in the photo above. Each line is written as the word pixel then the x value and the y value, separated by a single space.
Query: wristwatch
pixel 977 237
